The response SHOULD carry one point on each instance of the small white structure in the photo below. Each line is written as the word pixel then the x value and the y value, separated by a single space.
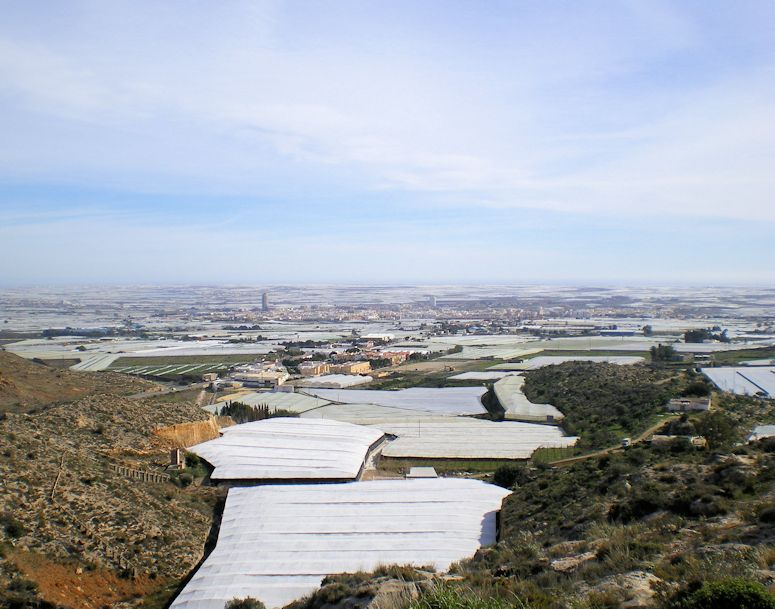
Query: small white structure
pixel 263 378
pixel 688 405
pixel 381 337
pixel 289 449
pixel 277 543
pixel 421 472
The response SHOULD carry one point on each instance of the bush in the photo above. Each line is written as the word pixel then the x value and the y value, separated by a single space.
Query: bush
pixel 767 515
pixel 601 402
pixel 509 475
pixel 725 594
pixel 718 428
pixel 12 527
pixel 449 597
pixel 192 460
pixel 696 389
pixel 245 603
pixel 184 479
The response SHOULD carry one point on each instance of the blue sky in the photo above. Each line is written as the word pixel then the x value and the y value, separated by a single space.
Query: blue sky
pixel 590 142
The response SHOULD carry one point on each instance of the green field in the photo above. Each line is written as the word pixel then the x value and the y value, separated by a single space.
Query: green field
pixel 443 466
pixel 732 358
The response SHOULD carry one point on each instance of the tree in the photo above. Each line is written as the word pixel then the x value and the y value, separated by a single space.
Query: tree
pixel 696 389
pixel 696 336
pixel 717 427
pixel 509 475
pixel 703 334
pixel 662 353
pixel 647 330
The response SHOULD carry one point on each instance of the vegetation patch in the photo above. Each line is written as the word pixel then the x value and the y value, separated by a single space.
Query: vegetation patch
pixel 604 402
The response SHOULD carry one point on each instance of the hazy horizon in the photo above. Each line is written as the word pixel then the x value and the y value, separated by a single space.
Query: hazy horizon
pixel 592 143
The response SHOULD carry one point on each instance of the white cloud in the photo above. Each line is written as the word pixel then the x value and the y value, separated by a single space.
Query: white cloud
pixel 562 111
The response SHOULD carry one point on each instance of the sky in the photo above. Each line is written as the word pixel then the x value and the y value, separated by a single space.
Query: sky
pixel 594 142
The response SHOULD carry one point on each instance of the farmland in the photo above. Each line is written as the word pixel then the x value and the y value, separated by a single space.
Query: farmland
pixel 177 367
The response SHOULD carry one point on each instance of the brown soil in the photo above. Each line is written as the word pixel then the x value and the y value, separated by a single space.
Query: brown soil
pixel 69 585
pixel 63 489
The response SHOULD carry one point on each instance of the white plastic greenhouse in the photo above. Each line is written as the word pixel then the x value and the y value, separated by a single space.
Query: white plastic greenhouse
pixel 289 449
pixel 276 543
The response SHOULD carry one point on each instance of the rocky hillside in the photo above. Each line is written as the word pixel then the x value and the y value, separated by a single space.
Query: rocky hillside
pixel 25 385
pixel 88 516
pixel 633 528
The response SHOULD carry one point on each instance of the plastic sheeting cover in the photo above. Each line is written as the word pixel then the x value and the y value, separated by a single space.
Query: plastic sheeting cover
pixel 364 414
pixel 276 543
pixel 446 400
pixel 466 438
pixel 748 380
pixel 480 376
pixel 553 360
pixel 280 400
pixel 334 381
pixel 289 449
pixel 508 390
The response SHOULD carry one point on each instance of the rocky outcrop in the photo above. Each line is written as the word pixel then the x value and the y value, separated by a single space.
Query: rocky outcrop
pixel 187 434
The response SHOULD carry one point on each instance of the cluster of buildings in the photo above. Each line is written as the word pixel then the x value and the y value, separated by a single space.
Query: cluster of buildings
pixel 262 374
pixel 317 368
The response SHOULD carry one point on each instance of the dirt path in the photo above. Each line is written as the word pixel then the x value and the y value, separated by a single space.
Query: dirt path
pixel 640 438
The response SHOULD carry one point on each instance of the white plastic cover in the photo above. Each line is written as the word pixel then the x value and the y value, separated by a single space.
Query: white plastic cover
pixel 744 380
pixel 467 438
pixel 445 400
pixel 280 400
pixel 508 390
pixel 278 542
pixel 333 381
pixel 552 360
pixel 289 449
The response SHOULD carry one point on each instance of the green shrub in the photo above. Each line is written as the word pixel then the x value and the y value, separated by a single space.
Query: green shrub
pixel 245 603
pixel 767 515
pixel 185 478
pixel 725 594
pixel 601 402
pixel 509 475
pixel 718 428
pixel 12 527
pixel 450 597
pixel 697 389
